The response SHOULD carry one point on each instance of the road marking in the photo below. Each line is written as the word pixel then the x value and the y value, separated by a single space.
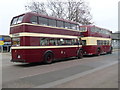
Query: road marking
pixel 58 82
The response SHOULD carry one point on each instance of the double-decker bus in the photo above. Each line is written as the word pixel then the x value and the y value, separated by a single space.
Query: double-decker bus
pixel 40 38
pixel 96 40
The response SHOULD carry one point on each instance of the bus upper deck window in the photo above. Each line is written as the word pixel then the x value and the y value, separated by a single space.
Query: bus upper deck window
pixel 52 22
pixel 78 28
pixel 67 25
pixel 14 21
pixel 20 19
pixel 17 20
pixel 60 23
pixel 73 26
pixel 33 20
pixel 43 21
pixel 83 29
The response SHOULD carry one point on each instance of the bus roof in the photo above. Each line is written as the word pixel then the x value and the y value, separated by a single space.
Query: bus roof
pixel 49 17
pixel 95 26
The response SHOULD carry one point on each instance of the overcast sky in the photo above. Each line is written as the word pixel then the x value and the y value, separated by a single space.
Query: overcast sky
pixel 104 13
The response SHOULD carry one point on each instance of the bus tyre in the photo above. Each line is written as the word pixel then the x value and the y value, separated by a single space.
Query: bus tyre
pixel 80 54
pixel 110 52
pixel 98 52
pixel 48 58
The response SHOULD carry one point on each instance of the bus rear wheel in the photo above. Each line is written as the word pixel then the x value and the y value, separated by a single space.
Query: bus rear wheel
pixel 98 52
pixel 80 54
pixel 110 52
pixel 48 59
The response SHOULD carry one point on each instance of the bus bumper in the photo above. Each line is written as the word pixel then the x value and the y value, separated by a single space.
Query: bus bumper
pixel 18 60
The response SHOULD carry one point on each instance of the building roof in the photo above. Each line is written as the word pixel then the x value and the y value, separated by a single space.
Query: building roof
pixel 116 35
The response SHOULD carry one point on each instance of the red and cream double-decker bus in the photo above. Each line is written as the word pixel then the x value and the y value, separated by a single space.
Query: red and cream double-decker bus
pixel 96 40
pixel 37 38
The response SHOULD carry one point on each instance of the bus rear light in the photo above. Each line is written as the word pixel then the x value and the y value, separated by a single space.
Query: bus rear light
pixel 18 56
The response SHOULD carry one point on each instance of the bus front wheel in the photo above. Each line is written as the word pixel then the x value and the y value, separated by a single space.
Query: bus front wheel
pixel 98 52
pixel 48 58
pixel 110 52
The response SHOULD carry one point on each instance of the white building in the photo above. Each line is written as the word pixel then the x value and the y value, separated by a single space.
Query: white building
pixel 116 39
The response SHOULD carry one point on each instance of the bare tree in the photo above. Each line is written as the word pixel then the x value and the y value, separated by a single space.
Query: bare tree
pixel 79 12
pixel 37 7
pixel 57 9
pixel 75 11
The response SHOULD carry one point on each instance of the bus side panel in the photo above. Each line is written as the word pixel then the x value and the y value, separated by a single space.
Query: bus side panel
pixel 42 29
pixel 37 55
pixel 49 30
pixel 68 52
pixel 15 53
pixel 26 55
pixel 90 50
pixel 106 48
pixel 17 29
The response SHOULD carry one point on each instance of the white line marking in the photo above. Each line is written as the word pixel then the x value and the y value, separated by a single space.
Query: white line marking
pixel 48 85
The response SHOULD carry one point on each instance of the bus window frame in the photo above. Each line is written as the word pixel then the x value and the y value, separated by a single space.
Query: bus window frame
pixel 36 21
pixel 47 24
pixel 21 19
pixel 51 24
pixel 83 30
pixel 18 38
pixel 17 19
pixel 61 26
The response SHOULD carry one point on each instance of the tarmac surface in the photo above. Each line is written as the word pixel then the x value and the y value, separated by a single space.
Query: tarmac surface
pixel 89 72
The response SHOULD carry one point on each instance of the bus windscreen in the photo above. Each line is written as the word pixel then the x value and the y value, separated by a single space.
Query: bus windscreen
pixel 17 20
